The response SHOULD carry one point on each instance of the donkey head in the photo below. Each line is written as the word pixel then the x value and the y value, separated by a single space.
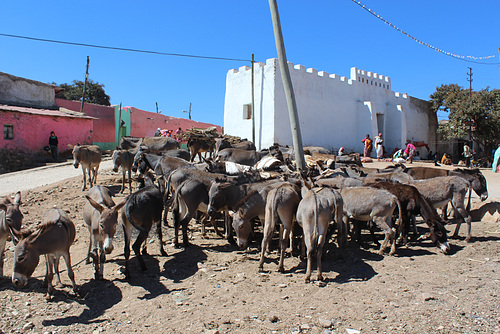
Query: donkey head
pixel 13 216
pixel 108 220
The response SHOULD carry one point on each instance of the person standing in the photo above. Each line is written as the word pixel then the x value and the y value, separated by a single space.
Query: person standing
pixel 496 158
pixel 467 155
pixel 379 147
pixel 158 133
pixel 178 135
pixel 53 142
pixel 367 152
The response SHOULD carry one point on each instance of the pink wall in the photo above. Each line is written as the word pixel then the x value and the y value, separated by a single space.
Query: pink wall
pixel 145 123
pixel 32 131
pixel 104 126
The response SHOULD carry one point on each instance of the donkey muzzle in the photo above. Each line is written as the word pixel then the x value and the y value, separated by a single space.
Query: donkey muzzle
pixel 19 280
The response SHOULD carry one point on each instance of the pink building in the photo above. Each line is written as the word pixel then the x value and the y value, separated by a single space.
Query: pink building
pixel 28 129
pixel 145 123
pixel 104 123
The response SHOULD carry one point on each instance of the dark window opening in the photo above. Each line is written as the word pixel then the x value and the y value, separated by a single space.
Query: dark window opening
pixel 8 131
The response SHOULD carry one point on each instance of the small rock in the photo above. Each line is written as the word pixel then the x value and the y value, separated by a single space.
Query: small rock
pixel 274 318
pixel 325 323
pixel 321 284
pixel 352 331
pixel 28 326
pixel 305 327
pixel 427 296
pixel 213 331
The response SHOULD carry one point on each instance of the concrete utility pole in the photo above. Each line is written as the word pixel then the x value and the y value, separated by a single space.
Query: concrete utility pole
pixel 253 101
pixel 287 85
pixel 85 84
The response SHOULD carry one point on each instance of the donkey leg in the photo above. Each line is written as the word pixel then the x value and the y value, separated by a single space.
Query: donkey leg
pixel 137 248
pixel 160 237
pixel 127 231
pixel 96 171
pixel 84 178
pixel 71 273
pixel 56 272
pixel 2 251
pixel 49 261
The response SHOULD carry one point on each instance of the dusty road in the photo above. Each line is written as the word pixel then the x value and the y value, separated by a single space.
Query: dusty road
pixel 41 176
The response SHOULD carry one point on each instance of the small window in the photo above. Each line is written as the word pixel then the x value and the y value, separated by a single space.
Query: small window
pixel 363 80
pixel 247 111
pixel 8 131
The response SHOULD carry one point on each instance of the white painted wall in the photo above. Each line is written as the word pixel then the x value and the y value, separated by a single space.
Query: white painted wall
pixel 24 92
pixel 333 111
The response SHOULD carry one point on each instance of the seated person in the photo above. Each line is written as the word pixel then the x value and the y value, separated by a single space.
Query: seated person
pixel 445 160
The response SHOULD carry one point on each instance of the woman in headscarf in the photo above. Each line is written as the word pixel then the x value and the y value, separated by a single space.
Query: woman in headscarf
pixel 379 147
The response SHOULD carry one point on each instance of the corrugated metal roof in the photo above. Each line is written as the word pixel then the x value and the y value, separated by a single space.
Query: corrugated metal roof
pixel 62 112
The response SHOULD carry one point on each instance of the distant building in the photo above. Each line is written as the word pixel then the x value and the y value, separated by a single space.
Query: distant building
pixel 28 114
pixel 333 111
pixel 29 111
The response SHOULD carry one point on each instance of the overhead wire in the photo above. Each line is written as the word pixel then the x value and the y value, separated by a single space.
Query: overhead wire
pixel 123 49
pixel 471 59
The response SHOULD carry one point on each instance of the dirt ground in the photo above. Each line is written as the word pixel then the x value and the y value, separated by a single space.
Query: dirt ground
pixel 212 287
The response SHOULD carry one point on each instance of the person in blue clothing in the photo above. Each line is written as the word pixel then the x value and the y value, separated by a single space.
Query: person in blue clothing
pixel 495 160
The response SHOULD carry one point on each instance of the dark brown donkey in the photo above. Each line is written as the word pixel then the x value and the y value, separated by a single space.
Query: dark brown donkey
pixel 125 160
pixel 142 209
pixel 52 238
pixel 10 218
pixel 101 217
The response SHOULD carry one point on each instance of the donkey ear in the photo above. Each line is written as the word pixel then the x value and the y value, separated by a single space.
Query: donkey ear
pixel 17 198
pixel 96 205
pixel 119 205
pixel 15 234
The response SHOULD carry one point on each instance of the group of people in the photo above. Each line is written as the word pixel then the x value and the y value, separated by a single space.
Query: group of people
pixel 407 154
pixel 170 133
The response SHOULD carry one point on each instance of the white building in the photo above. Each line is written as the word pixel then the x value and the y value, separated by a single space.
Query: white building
pixel 333 111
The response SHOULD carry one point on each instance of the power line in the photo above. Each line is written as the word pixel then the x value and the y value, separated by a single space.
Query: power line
pixel 123 49
pixel 470 59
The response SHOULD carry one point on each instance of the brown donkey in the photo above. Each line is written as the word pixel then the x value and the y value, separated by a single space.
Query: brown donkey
pixel 10 220
pixel 52 238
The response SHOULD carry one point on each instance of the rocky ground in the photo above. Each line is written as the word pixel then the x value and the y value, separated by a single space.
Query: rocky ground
pixel 212 287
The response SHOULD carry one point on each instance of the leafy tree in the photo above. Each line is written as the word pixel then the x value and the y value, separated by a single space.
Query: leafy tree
pixel 476 113
pixel 93 94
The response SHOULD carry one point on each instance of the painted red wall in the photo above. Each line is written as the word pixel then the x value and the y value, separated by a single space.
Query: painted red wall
pixel 104 125
pixel 145 123
pixel 31 131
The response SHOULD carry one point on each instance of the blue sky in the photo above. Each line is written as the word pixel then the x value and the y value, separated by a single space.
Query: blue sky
pixel 331 36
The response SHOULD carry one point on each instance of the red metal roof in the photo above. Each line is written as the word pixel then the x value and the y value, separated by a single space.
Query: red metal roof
pixel 46 112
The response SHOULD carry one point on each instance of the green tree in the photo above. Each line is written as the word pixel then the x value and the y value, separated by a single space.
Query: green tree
pixel 93 94
pixel 475 114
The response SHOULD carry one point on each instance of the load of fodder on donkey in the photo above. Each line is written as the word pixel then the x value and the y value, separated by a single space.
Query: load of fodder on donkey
pixel 200 140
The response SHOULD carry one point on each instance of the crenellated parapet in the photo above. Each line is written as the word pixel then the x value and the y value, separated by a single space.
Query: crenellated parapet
pixel 358 77
pixel 370 78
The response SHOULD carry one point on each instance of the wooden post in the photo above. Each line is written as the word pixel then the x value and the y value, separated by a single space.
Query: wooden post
pixel 287 85
pixel 85 85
